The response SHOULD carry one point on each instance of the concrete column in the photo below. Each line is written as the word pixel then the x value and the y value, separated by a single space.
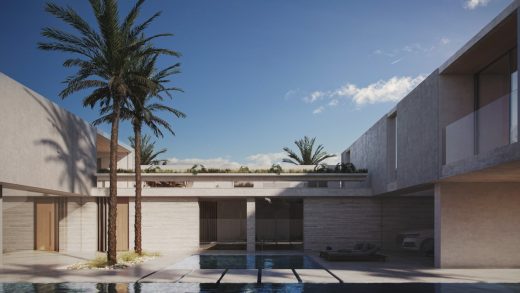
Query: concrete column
pixel 1 225
pixel 517 63
pixel 251 230
pixel 437 225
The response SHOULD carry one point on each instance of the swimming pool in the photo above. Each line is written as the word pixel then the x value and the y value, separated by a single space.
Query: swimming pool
pixel 206 261
pixel 177 287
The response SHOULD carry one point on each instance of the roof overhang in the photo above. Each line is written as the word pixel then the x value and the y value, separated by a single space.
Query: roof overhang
pixel 495 39
pixel 103 144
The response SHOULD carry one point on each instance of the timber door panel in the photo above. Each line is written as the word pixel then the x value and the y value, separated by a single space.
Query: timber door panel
pixel 122 224
pixel 45 234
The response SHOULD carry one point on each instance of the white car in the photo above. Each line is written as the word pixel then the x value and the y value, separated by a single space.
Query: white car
pixel 419 240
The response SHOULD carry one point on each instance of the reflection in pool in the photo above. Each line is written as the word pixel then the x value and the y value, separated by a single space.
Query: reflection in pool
pixel 321 288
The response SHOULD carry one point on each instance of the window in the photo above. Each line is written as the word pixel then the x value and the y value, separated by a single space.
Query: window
pixel 182 184
pixel 496 102
pixel 317 184
pixel 243 184
pixel 391 154
pixel 513 129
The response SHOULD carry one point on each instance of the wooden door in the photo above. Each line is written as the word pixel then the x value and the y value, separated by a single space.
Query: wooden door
pixel 122 224
pixel 45 226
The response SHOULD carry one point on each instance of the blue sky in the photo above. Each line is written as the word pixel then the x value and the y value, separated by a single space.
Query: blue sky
pixel 259 74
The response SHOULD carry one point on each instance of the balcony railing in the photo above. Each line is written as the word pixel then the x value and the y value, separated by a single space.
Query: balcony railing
pixel 483 130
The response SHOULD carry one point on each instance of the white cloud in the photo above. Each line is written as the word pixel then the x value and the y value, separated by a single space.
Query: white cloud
pixel 396 61
pixel 445 41
pixel 318 110
pixel 314 96
pixel 333 161
pixel 474 4
pixel 390 90
pixel 260 160
pixel 333 102
pixel 291 93
pixel 265 159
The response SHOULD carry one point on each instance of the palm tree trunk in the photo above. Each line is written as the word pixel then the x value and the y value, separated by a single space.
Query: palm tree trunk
pixel 112 202
pixel 137 224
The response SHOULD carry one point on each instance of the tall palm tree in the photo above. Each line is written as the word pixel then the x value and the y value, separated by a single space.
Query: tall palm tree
pixel 144 103
pixel 308 156
pixel 103 57
pixel 148 152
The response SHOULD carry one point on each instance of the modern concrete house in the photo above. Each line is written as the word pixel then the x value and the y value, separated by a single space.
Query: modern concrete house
pixel 454 138
pixel 446 158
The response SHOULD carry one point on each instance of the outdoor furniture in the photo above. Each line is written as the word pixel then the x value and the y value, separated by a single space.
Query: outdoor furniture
pixel 362 251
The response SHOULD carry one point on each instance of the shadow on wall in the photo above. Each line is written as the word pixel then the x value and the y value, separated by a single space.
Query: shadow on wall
pixel 76 151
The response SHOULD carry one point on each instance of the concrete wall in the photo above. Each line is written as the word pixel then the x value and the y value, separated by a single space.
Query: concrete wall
pixel 168 224
pixel 18 223
pixel 418 148
pixel 78 226
pixel 417 135
pixel 60 148
pixel 477 225
pixel 370 151
pixel 340 223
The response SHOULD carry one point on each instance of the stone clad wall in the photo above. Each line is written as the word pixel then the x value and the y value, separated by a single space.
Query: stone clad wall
pixel 341 222
pixel 168 224
pixel 78 227
pixel 18 223
pixel 478 225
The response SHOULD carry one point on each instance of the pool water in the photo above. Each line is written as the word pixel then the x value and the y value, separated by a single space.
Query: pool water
pixel 321 288
pixel 206 261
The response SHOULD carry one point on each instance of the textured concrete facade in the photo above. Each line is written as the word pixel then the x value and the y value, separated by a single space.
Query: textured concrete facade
pixel 417 135
pixel 478 225
pixel 53 140
pixel 416 122
pixel 168 224
pixel 340 223
pixel 18 223
pixel 370 152
pixel 78 226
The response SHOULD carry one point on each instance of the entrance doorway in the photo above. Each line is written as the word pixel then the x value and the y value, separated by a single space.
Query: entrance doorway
pixel 223 224
pixel 45 225
pixel 279 224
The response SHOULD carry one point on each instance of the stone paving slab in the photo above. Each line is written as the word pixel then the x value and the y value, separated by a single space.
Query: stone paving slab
pixel 316 276
pixel 394 275
pixel 240 276
pixel 167 275
pixel 278 276
pixel 203 276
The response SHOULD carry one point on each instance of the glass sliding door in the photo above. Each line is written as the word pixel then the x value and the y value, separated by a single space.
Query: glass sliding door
pixel 497 104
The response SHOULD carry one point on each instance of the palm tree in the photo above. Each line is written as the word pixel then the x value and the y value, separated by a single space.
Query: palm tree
pixel 148 152
pixel 141 110
pixel 103 58
pixel 309 156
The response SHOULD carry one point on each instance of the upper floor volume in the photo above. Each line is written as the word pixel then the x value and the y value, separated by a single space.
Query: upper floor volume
pixel 462 119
